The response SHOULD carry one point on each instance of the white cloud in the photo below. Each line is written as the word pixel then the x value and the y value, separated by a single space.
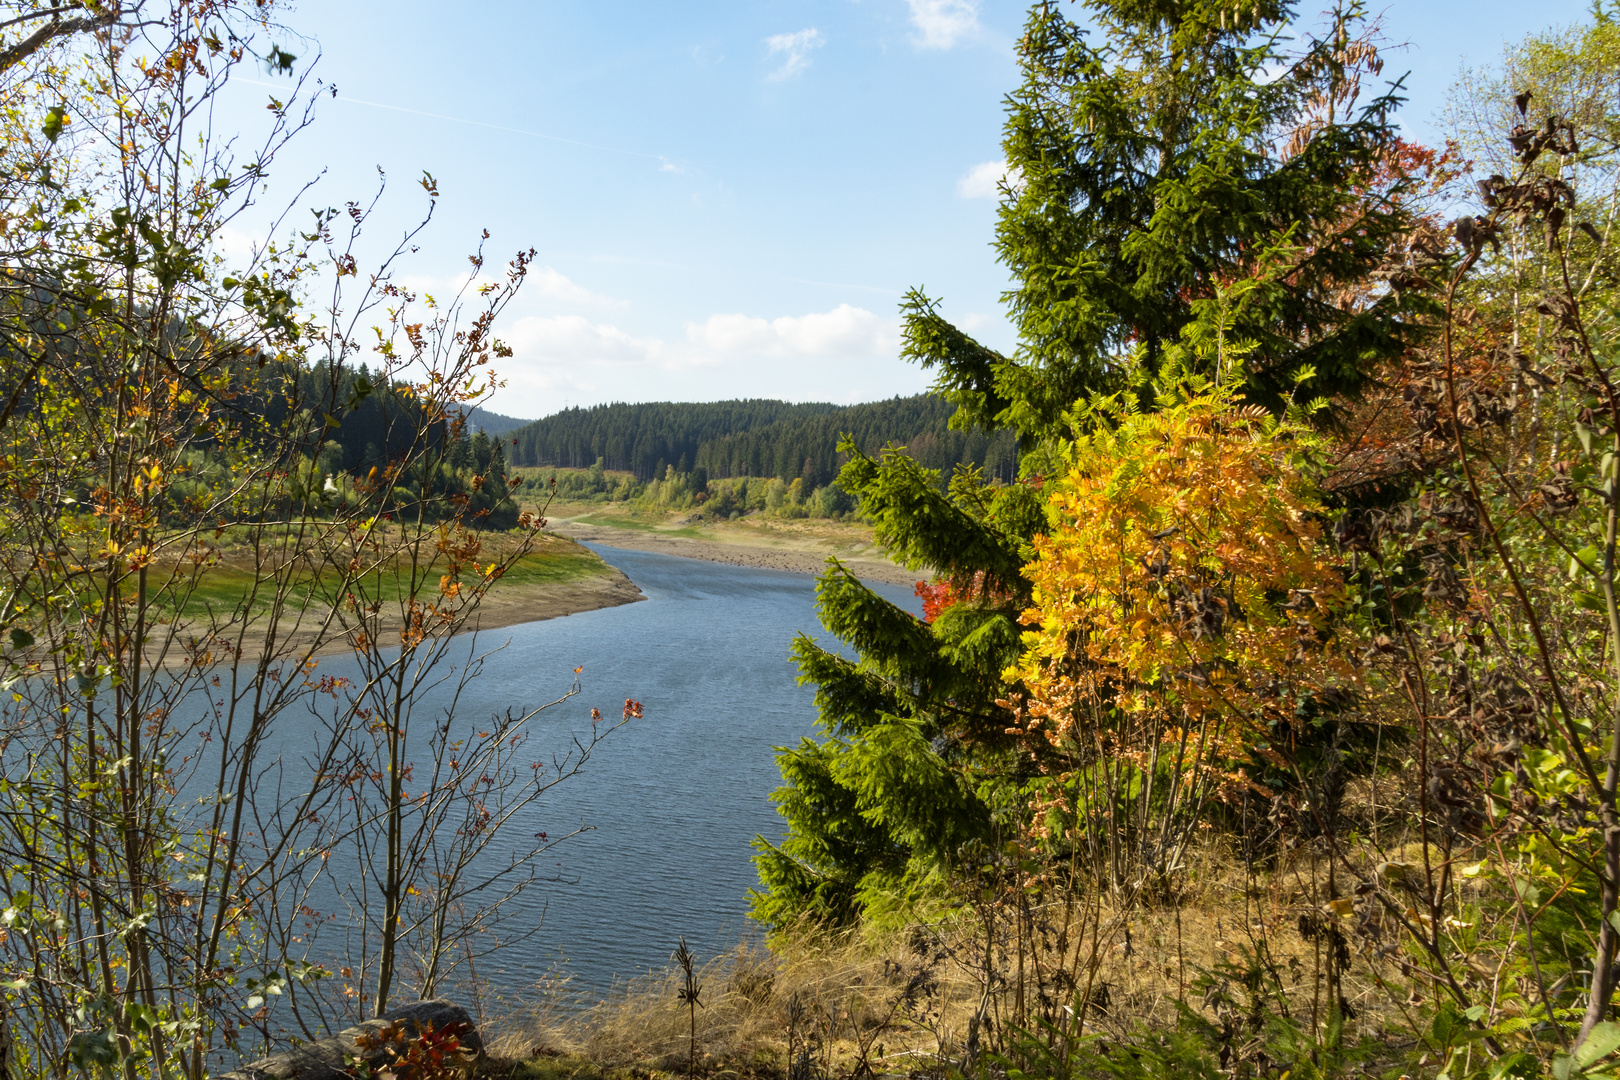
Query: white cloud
pixel 536 392
pixel 796 46
pixel 237 247
pixel 547 281
pixel 574 339
pixel 558 358
pixel 943 23
pixel 845 330
pixel 845 354
pixel 666 165
pixel 553 285
pixel 983 181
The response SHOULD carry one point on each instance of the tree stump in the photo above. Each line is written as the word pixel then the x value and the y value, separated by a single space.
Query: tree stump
pixel 325 1059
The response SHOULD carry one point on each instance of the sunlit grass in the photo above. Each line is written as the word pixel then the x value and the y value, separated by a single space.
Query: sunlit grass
pixel 224 587
pixel 655 524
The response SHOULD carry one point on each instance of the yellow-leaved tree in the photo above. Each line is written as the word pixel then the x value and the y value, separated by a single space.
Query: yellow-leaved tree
pixel 1183 599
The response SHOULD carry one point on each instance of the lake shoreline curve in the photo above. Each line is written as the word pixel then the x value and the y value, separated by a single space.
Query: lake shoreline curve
pixel 510 605
pixel 500 608
pixel 520 604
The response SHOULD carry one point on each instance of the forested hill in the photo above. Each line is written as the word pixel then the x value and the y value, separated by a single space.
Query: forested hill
pixel 755 437
pixel 493 423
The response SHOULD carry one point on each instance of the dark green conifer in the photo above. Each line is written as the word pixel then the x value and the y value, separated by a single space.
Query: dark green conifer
pixel 1154 163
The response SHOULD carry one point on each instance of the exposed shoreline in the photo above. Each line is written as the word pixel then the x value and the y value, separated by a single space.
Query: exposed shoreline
pixel 502 606
pixel 514 604
pixel 518 604
pixel 792 558
pixel 537 603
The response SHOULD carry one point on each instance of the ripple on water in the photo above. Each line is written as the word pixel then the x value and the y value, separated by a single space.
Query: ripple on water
pixel 674 798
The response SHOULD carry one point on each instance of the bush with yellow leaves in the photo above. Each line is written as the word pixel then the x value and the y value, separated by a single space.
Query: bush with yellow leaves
pixel 1183 602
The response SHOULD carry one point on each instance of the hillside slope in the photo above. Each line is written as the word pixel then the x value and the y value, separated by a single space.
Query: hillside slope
pixel 755 437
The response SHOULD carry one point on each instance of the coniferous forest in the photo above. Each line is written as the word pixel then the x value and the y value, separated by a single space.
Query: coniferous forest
pixel 763 439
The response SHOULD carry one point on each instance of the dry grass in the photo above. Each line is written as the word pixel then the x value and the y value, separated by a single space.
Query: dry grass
pixel 906 1003
pixel 837 997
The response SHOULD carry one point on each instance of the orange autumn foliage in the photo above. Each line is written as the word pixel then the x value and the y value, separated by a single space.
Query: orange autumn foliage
pixel 1185 590
pixel 942 594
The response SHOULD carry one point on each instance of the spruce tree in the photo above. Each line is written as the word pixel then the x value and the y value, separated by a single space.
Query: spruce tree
pixel 1153 166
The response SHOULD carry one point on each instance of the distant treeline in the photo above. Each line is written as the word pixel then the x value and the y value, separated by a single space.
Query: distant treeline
pixel 337 427
pixel 481 419
pixel 761 438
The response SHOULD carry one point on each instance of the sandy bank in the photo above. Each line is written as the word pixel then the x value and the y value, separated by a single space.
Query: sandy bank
pixel 532 603
pixel 512 605
pixel 802 557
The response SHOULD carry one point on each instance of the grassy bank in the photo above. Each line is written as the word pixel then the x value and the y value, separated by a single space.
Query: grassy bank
pixel 192 591
pixel 228 588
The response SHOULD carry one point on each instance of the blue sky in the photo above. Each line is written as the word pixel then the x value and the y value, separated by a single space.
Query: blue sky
pixel 727 198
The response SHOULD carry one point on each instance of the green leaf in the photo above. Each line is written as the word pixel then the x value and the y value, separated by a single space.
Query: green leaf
pixel 1583 561
pixel 280 61
pixel 222 184
pixel 1600 1042
pixel 95 1051
pixel 1584 434
pixel 52 127
pixel 361 390
pixel 1444 1026
pixel 1588 601
pixel 142 1018
pixel 20 638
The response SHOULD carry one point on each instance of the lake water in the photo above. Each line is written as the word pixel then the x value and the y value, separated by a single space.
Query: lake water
pixel 674 798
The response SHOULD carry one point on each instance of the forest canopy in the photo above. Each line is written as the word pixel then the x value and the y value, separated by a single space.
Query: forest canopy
pixel 757 438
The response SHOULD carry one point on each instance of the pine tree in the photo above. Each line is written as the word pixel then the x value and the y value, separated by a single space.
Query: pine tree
pixel 480 451
pixel 1148 171
pixel 1153 177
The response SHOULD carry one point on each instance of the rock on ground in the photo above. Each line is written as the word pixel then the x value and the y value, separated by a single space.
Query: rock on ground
pixel 324 1059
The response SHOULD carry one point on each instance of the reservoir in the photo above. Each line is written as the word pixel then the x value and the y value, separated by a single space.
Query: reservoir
pixel 673 799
